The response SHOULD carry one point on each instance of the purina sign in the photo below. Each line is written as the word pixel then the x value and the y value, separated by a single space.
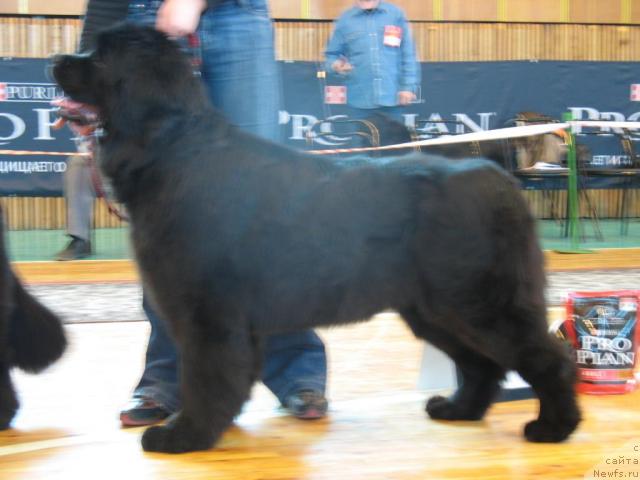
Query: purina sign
pixel 26 120
pixel 28 92
pixel 635 92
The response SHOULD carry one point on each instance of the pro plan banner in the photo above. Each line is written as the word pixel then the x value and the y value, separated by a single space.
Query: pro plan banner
pixel 26 119
pixel 455 97
pixel 463 97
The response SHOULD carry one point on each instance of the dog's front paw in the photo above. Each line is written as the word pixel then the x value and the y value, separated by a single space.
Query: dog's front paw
pixel 8 408
pixel 5 420
pixel 174 439
pixel 442 408
pixel 546 432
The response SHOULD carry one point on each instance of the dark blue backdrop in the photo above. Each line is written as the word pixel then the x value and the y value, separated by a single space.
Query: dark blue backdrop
pixel 478 95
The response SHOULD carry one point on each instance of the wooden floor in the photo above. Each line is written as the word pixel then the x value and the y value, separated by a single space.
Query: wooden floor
pixel 377 429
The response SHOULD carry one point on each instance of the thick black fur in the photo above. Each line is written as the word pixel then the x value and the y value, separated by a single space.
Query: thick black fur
pixel 31 337
pixel 237 238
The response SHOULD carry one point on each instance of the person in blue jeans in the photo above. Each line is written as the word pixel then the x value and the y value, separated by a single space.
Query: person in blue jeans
pixel 236 60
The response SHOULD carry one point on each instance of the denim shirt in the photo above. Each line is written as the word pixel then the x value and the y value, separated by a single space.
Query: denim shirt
pixel 380 70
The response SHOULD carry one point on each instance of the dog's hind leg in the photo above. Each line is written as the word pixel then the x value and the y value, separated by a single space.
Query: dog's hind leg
pixel 479 386
pixel 481 376
pixel 217 375
pixel 548 367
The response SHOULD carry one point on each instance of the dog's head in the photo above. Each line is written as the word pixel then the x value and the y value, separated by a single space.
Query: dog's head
pixel 132 68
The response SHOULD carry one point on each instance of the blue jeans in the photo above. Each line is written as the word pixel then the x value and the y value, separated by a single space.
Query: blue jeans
pixel 241 76
pixel 293 362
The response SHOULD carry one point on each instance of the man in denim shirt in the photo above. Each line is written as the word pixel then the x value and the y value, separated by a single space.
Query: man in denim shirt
pixel 371 46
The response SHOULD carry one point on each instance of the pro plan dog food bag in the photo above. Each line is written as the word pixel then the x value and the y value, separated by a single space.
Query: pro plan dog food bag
pixel 602 328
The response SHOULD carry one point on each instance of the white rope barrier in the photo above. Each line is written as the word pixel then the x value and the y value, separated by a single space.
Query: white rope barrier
pixel 487 135
pixel 607 123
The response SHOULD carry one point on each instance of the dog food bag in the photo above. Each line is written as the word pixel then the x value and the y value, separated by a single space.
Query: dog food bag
pixel 602 328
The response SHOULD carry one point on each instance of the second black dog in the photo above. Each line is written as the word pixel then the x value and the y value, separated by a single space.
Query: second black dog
pixel 31 336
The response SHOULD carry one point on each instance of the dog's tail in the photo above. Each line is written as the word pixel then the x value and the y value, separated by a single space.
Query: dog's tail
pixel 35 335
pixel 520 256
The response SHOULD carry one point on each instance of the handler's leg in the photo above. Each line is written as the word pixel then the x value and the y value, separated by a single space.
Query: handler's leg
pixel 79 194
pixel 295 370
pixel 157 394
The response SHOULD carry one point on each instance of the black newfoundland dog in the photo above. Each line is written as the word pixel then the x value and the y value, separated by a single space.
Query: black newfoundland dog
pixel 237 238
pixel 31 337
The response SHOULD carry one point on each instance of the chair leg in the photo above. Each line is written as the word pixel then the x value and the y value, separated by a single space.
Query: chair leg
pixel 624 213
pixel 593 213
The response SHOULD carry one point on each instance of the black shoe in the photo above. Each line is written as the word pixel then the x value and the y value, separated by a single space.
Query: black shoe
pixel 306 405
pixel 78 248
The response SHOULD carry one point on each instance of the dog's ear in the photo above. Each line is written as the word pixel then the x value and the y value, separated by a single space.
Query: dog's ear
pixel 76 75
pixel 146 74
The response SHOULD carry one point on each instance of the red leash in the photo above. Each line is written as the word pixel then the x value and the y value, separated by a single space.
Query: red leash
pixel 98 184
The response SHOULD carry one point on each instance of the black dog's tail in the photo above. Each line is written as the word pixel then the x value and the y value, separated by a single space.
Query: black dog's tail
pixel 36 337
pixel 520 260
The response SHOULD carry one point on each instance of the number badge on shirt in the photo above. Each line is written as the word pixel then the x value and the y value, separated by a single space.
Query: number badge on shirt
pixel 392 35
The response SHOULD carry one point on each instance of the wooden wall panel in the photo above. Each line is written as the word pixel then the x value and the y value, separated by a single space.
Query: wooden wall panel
pixel 29 213
pixel 297 9
pixel 331 9
pixel 436 41
pixel 632 7
pixel 535 11
pixel 484 41
pixel 43 7
pixel 38 37
pixel 48 7
pixel 421 10
pixel 11 6
pixel 595 11
pixel 478 10
pixel 590 11
pixel 304 41
pixel 46 213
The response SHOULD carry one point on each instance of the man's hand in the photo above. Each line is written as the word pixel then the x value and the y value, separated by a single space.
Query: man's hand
pixel 405 98
pixel 179 18
pixel 341 66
